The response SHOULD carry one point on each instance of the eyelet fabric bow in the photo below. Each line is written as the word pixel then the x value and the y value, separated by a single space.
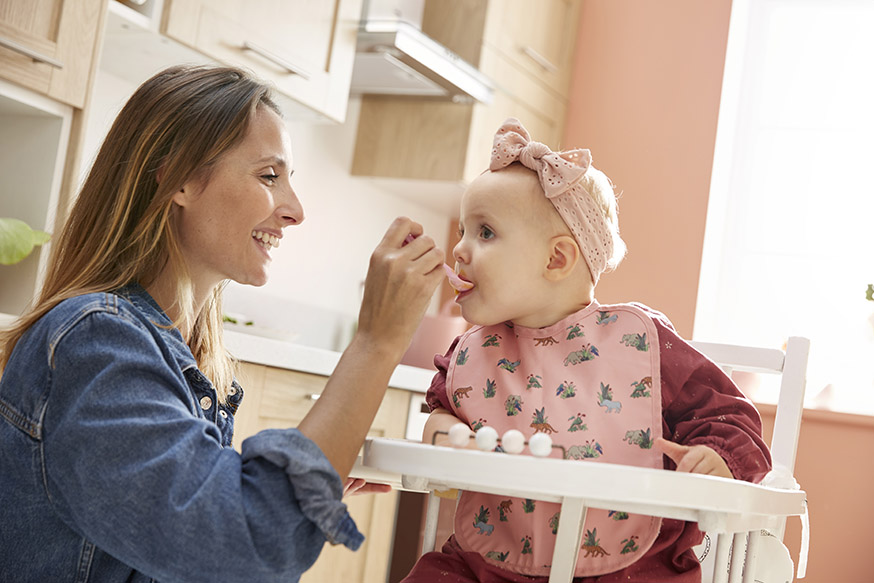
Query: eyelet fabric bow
pixel 560 174
pixel 558 171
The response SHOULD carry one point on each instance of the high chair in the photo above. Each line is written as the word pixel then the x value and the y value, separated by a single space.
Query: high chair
pixel 738 518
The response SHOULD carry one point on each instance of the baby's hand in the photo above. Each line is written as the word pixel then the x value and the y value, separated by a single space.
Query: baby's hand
pixel 695 459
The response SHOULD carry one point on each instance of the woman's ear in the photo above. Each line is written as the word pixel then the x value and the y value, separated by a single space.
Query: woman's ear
pixel 564 254
pixel 182 196
pixel 189 191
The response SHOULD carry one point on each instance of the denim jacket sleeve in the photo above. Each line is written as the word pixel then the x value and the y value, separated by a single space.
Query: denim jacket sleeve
pixel 130 465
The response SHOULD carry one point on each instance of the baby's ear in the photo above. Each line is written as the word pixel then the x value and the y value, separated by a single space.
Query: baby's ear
pixel 564 254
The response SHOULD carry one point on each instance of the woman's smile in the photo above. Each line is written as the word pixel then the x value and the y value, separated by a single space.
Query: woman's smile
pixel 265 239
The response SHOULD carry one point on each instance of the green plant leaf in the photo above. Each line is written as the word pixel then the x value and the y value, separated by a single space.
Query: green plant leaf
pixel 40 237
pixel 17 240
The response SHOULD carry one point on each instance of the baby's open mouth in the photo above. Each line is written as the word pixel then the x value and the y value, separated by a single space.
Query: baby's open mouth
pixel 458 284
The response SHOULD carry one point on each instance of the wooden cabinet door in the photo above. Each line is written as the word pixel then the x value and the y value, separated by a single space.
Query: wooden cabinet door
pixel 541 111
pixel 49 45
pixel 537 37
pixel 306 48
pixel 423 139
pixel 278 398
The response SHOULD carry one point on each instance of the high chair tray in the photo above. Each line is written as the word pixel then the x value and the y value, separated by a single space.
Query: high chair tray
pixel 719 505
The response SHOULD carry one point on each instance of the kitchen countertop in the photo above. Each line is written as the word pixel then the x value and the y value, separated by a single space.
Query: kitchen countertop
pixel 283 354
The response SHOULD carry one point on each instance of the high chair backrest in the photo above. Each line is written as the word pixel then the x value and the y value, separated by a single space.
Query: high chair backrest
pixel 792 366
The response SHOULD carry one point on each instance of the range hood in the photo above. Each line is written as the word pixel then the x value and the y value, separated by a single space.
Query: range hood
pixel 395 57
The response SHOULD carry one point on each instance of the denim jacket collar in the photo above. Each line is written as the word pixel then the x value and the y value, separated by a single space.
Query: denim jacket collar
pixel 146 304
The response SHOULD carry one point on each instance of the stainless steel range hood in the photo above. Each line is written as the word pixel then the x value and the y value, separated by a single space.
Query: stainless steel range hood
pixel 396 58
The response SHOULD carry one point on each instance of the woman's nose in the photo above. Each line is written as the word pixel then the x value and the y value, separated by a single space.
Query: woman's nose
pixel 290 209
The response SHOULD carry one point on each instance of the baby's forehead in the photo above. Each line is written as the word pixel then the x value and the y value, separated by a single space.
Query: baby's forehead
pixel 510 183
pixel 512 190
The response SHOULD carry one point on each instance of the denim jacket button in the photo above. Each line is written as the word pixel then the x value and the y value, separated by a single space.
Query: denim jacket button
pixel 205 403
pixel 223 414
pixel 232 391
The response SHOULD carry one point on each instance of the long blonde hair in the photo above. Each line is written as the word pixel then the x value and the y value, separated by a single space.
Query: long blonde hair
pixel 121 228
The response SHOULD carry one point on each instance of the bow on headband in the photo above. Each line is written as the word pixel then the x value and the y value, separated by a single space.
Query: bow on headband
pixel 558 171
pixel 560 174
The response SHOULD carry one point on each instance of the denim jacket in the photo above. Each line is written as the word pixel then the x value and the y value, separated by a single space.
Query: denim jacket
pixel 116 465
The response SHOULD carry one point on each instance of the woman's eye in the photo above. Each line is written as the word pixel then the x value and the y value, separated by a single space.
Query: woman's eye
pixel 270 178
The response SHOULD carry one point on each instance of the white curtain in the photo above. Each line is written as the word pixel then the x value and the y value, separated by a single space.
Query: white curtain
pixel 788 244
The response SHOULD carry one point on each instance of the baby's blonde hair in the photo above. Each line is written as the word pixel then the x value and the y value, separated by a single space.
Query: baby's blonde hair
pixel 599 187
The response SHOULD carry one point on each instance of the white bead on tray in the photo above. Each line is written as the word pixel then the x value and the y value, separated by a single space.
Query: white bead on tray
pixel 513 441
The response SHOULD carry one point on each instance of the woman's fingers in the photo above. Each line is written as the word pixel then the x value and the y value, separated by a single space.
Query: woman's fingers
pixel 355 486
pixel 400 281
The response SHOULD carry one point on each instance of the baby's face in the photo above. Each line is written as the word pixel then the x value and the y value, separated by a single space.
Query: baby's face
pixel 504 249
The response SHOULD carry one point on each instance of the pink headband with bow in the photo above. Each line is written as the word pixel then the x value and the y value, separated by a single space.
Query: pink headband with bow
pixel 560 174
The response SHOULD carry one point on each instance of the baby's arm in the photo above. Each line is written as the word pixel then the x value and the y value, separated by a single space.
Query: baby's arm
pixel 441 420
pixel 695 459
pixel 703 408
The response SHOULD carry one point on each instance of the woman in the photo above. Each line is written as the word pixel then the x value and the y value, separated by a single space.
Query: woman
pixel 117 395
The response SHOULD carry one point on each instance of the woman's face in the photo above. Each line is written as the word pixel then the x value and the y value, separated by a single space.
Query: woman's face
pixel 229 222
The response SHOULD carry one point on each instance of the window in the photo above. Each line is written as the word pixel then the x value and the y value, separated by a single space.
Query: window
pixel 788 246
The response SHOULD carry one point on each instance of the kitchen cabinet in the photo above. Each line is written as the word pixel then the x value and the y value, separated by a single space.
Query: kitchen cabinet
pixel 537 38
pixel 50 46
pixel 34 136
pixel 277 398
pixel 48 55
pixel 525 48
pixel 306 48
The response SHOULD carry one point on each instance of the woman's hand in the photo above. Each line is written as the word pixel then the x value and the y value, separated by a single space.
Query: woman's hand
pixel 400 281
pixel 694 459
pixel 355 486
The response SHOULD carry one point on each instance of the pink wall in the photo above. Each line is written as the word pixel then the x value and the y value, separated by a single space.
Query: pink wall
pixel 645 100
pixel 834 468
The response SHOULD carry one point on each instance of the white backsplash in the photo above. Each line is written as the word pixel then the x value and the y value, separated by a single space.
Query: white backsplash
pixel 288 320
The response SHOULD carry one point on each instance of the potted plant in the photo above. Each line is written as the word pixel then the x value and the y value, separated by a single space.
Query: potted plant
pixel 17 240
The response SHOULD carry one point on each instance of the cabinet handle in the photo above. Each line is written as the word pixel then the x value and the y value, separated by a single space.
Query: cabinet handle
pixel 21 49
pixel 313 396
pixel 276 60
pixel 544 63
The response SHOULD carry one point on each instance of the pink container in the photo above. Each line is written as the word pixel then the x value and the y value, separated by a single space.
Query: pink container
pixel 434 336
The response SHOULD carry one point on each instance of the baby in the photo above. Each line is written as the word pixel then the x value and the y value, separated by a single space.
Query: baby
pixel 606 382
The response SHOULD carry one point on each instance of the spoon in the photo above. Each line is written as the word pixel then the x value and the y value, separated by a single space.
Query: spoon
pixel 458 284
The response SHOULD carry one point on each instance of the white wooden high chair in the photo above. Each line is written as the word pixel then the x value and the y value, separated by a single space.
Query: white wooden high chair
pixel 743 521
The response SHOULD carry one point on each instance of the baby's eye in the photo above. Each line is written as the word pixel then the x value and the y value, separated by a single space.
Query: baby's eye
pixel 486 233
